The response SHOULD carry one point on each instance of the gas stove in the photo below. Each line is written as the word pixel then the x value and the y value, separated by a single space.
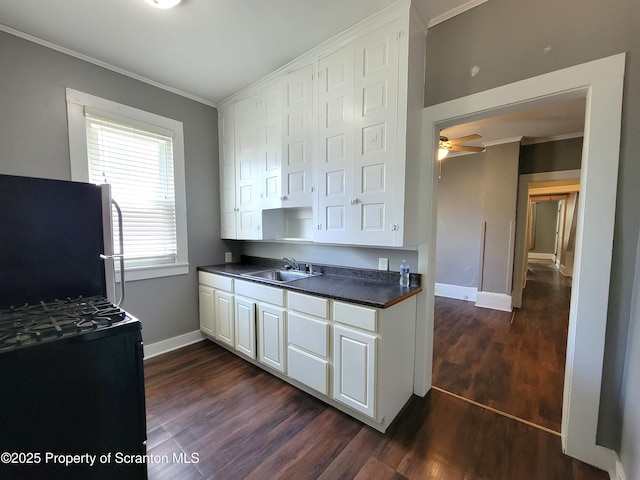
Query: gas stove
pixel 43 322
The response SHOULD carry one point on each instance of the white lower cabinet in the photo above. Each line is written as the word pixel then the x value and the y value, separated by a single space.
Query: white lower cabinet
pixel 215 297
pixel 358 358
pixel 271 336
pixel 225 325
pixel 245 323
pixel 309 369
pixel 206 308
pixel 308 350
pixel 354 379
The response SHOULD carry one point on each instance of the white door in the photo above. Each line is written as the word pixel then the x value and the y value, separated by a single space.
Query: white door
pixel 226 121
pixel 297 138
pixel 354 381
pixel 245 323
pixel 223 304
pixel 371 206
pixel 335 144
pixel 271 336
pixel 271 152
pixel 205 304
pixel 247 150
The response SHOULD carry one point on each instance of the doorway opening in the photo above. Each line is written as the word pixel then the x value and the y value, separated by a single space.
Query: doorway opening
pixel 511 362
pixel 600 82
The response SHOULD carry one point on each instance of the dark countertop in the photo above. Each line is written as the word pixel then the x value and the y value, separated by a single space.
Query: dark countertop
pixel 365 287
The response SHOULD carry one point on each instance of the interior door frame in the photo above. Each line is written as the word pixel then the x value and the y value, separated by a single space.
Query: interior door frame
pixel 522 212
pixel 600 82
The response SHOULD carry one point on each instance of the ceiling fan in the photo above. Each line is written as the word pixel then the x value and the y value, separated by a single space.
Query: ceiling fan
pixel 445 145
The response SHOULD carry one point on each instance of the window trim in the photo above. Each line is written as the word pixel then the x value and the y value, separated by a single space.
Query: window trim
pixel 76 103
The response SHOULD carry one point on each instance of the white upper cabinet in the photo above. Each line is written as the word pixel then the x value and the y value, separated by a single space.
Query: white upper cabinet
pixel 339 132
pixel 371 204
pixel 297 138
pixel 335 144
pixel 270 129
pixel 226 120
pixel 247 152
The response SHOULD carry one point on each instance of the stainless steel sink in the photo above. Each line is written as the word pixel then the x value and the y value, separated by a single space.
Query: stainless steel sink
pixel 280 276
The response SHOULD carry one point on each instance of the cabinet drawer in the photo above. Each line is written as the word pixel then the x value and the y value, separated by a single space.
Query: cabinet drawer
pixel 309 369
pixel 356 316
pixel 308 333
pixel 260 293
pixel 216 281
pixel 308 304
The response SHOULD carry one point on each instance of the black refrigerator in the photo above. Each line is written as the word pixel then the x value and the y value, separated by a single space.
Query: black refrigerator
pixel 71 360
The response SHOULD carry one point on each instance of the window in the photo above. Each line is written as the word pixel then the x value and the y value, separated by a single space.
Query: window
pixel 141 156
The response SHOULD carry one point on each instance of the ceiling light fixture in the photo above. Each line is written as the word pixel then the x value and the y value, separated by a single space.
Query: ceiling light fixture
pixel 443 148
pixel 164 4
pixel 442 152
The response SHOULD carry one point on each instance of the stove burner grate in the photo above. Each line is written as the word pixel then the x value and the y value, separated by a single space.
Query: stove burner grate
pixel 29 324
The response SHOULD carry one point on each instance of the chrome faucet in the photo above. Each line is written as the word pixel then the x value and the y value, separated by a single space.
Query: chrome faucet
pixel 291 263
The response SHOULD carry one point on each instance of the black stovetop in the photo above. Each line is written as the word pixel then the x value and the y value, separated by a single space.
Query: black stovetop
pixel 32 324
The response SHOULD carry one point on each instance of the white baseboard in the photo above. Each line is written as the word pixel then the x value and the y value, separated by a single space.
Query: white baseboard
pixel 170 344
pixel 456 291
pixel 495 301
pixel 541 256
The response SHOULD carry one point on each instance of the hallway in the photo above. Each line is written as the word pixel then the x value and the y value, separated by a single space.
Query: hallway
pixel 512 362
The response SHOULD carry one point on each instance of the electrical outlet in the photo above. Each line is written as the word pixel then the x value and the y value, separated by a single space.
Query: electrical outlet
pixel 228 257
pixel 383 263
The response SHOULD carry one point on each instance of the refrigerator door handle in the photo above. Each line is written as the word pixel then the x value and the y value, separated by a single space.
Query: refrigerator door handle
pixel 120 257
pixel 109 253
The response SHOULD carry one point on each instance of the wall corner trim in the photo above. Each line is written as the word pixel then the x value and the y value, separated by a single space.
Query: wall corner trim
pixel 170 344
pixel 618 472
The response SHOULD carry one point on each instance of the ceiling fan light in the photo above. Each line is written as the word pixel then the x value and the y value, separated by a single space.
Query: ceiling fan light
pixel 164 4
pixel 442 153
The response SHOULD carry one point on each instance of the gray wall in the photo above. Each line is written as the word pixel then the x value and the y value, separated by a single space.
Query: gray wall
pixel 34 142
pixel 630 454
pixel 499 215
pixel 475 192
pixel 545 227
pixel 507 39
pixel 458 242
pixel 344 255
pixel 551 156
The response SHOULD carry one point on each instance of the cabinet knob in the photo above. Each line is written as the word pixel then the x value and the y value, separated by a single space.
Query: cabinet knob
pixel 353 201
pixel 283 198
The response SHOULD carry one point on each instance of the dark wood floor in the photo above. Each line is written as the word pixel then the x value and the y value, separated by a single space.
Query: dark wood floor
pixel 244 423
pixel 515 367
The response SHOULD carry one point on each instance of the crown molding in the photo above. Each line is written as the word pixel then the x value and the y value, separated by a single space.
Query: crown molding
pixel 454 11
pixel 567 136
pixel 99 63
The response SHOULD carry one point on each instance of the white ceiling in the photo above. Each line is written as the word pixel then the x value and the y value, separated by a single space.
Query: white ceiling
pixel 209 49
pixel 531 124
pixel 204 49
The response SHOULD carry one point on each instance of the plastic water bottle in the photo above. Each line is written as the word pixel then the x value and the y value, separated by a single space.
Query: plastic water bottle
pixel 404 274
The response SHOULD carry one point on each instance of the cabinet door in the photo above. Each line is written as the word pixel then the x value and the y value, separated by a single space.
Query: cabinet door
pixel 354 381
pixel 225 327
pixel 297 138
pixel 375 119
pixel 270 129
pixel 245 323
pixel 271 336
pixel 335 144
pixel 226 121
pixel 205 304
pixel 247 150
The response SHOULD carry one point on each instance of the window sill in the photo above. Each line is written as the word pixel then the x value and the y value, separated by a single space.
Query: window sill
pixel 157 271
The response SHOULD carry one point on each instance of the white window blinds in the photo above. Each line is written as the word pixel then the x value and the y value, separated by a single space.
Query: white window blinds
pixel 137 161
